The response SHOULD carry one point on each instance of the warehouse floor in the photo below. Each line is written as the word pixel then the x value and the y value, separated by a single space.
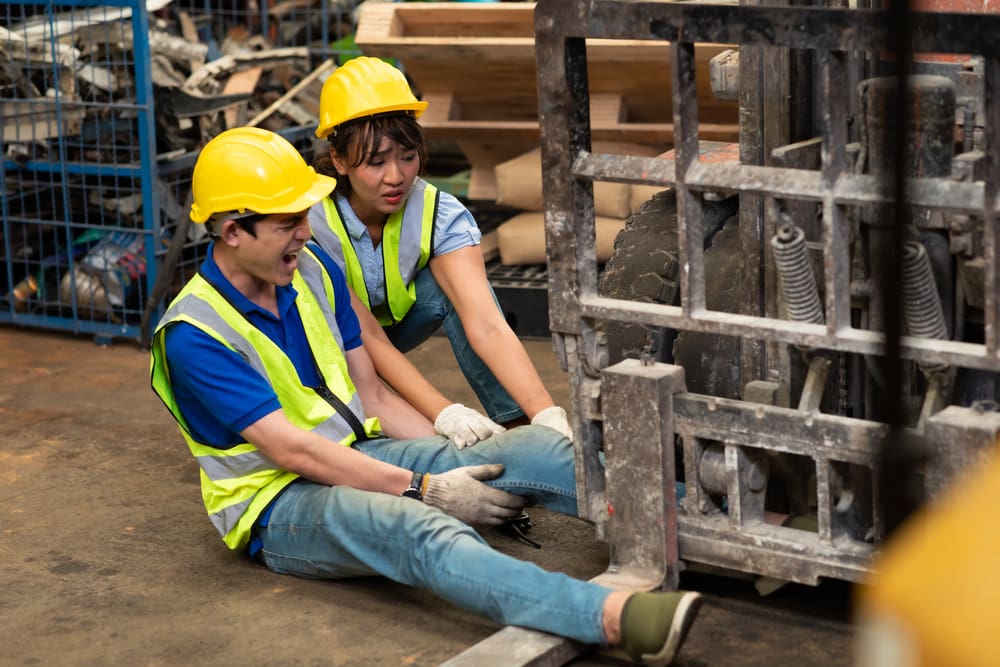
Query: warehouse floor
pixel 108 558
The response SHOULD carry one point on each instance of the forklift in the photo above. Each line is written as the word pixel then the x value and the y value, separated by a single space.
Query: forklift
pixel 807 327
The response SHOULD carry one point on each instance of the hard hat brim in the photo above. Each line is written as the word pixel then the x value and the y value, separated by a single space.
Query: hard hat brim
pixel 317 192
pixel 320 190
pixel 416 108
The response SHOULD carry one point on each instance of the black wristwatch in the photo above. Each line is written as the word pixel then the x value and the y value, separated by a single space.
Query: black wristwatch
pixel 413 490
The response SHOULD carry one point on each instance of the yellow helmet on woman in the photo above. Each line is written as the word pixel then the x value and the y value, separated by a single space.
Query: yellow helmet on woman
pixel 364 87
pixel 249 169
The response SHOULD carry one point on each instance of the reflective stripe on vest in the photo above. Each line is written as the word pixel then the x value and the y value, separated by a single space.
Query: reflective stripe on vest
pixel 239 482
pixel 406 241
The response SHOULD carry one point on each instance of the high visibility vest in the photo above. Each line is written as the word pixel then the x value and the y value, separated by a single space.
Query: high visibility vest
pixel 406 248
pixel 238 483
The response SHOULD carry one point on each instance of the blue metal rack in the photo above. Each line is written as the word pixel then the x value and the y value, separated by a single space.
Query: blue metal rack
pixel 80 218
pixel 88 208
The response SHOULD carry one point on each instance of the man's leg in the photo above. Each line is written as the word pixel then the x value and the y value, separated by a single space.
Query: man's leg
pixel 317 531
pixel 538 462
pixel 430 311
pixel 332 532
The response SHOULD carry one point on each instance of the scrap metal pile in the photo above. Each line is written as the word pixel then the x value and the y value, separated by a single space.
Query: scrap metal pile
pixel 101 107
pixel 202 84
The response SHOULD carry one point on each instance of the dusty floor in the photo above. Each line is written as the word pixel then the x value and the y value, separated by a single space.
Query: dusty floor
pixel 108 558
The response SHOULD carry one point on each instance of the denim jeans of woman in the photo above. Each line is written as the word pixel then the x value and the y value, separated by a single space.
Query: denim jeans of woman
pixel 318 531
pixel 432 310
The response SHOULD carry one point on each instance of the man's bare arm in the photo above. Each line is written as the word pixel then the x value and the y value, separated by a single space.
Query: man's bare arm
pixel 320 460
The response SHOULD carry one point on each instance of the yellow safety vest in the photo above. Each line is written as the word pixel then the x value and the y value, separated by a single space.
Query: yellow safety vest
pixel 238 483
pixel 406 248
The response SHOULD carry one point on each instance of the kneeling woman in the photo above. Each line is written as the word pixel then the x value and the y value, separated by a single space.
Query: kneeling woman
pixel 410 251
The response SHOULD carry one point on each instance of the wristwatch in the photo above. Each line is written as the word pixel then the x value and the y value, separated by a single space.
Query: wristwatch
pixel 413 490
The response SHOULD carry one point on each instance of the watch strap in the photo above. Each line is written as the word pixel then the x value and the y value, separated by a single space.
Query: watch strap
pixel 415 490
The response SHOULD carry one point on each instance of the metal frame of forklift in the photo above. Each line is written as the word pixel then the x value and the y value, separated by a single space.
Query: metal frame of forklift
pixel 630 412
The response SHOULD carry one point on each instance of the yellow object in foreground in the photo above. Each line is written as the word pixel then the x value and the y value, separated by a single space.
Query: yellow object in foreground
pixel 935 596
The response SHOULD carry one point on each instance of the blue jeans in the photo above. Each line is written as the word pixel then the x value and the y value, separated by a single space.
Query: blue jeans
pixel 318 531
pixel 431 310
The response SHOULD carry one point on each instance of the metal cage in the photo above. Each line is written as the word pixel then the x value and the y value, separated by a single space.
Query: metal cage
pixel 97 158
pixel 80 218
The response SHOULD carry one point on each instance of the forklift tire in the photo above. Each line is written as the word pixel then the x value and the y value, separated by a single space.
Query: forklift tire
pixel 644 267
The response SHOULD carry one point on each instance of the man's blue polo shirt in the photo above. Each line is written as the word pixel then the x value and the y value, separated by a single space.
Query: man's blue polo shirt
pixel 218 393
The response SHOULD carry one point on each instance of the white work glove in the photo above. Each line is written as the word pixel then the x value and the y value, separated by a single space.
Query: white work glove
pixel 462 494
pixel 464 426
pixel 555 418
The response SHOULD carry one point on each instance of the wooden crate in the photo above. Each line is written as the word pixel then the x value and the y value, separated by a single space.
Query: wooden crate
pixel 475 66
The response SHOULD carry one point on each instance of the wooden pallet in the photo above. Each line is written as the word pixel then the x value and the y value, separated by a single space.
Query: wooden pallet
pixel 475 66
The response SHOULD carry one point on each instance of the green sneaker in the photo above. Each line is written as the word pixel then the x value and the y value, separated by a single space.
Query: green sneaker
pixel 654 625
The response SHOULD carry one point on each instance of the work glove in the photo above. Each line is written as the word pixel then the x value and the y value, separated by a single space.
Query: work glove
pixel 462 494
pixel 464 426
pixel 555 418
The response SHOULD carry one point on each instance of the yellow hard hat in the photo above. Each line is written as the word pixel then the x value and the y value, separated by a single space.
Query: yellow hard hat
pixel 362 87
pixel 248 169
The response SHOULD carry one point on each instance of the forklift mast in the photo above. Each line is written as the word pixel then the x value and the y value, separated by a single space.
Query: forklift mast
pixel 817 218
pixel 820 324
pixel 834 280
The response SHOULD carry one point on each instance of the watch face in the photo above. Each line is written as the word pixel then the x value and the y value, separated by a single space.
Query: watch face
pixel 412 493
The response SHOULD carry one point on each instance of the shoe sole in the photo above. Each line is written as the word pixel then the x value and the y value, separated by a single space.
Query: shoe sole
pixel 684 615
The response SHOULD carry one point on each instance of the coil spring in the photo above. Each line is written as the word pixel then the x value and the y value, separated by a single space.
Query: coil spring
pixel 798 284
pixel 921 301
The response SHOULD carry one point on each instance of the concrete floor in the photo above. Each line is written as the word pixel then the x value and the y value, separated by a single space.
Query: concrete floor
pixel 108 558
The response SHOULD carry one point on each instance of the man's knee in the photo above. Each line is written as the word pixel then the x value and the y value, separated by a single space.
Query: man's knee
pixel 537 442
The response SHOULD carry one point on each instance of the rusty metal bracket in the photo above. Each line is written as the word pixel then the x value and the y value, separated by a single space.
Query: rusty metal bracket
pixel 639 460
pixel 517 647
pixel 964 436
pixel 642 521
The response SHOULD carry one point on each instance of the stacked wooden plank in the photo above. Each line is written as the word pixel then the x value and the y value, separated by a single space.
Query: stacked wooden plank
pixel 475 65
